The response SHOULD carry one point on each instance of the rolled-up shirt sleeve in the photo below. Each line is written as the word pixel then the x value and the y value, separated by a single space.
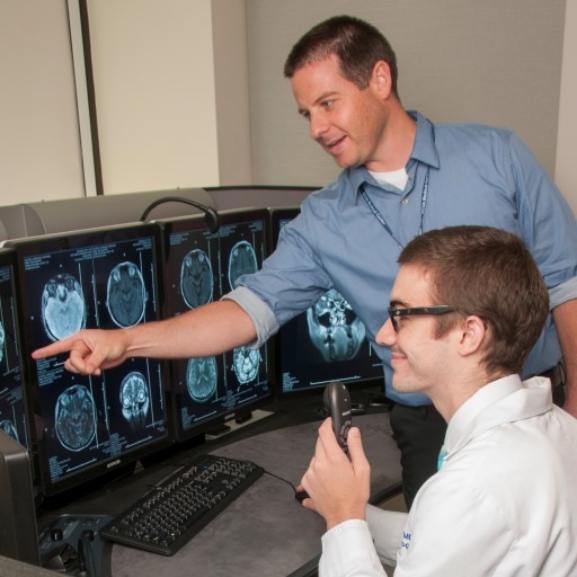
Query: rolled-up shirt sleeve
pixel 259 312
pixel 562 293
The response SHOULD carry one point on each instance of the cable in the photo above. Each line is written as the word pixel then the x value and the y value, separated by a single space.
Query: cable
pixel 210 215
pixel 281 479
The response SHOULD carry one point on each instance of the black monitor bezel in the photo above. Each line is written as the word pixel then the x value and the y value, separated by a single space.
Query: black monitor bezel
pixel 8 260
pixel 216 423
pixel 277 216
pixel 118 464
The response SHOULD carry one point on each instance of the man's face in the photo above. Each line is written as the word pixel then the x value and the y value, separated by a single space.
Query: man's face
pixel 419 360
pixel 346 121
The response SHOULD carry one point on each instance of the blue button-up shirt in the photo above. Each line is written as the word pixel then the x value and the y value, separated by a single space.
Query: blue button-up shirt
pixel 477 175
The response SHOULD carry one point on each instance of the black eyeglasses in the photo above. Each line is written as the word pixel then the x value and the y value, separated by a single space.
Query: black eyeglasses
pixel 398 314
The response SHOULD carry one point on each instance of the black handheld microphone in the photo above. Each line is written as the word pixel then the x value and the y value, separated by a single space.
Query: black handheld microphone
pixel 338 404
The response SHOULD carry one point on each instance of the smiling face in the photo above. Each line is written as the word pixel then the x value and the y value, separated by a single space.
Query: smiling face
pixel 349 123
pixel 420 361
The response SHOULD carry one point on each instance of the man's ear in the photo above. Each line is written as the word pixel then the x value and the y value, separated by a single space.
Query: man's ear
pixel 473 334
pixel 381 78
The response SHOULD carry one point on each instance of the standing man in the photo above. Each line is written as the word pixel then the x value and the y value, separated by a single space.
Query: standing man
pixel 401 176
pixel 466 308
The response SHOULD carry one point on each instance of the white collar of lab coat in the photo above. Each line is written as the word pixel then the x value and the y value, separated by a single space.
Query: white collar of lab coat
pixel 503 401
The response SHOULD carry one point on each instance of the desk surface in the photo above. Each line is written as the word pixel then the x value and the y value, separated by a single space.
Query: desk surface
pixel 265 531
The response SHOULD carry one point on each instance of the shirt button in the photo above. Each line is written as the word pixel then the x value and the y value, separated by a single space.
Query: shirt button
pixel 405 201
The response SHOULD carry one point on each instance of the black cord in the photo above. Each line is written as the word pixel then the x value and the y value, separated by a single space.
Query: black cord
pixel 210 215
pixel 281 479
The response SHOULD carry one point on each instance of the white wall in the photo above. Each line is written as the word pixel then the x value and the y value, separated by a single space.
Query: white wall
pixel 565 173
pixel 171 93
pixel 171 84
pixel 173 96
pixel 229 29
pixel 155 96
pixel 490 62
pixel 39 140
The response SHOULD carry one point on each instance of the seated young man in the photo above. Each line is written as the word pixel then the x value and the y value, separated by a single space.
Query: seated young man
pixel 466 308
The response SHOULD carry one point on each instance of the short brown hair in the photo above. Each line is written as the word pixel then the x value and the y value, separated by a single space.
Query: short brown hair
pixel 357 44
pixel 490 273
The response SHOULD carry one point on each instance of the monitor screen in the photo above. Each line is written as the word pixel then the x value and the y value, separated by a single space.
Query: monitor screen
pixel 88 426
pixel 13 420
pixel 323 344
pixel 200 267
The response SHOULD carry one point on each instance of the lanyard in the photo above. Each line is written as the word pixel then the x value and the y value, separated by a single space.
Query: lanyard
pixel 383 222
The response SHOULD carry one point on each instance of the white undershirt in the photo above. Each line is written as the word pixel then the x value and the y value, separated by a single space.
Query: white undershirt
pixel 397 178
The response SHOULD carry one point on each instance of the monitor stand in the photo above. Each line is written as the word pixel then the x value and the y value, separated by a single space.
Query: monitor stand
pixel 234 423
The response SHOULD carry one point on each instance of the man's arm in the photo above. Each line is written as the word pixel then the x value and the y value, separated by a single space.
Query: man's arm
pixel 206 331
pixel 339 491
pixel 565 316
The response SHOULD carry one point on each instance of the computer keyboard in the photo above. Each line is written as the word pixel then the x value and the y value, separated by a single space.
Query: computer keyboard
pixel 176 509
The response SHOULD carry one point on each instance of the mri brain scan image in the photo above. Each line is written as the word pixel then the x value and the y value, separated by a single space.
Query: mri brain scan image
pixel 135 399
pixel 245 364
pixel 2 336
pixel 196 279
pixel 8 427
pixel 126 295
pixel 334 328
pixel 63 307
pixel 242 261
pixel 74 418
pixel 201 376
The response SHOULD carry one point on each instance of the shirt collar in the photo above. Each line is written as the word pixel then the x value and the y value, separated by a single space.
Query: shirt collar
pixel 503 401
pixel 424 148
pixel 424 151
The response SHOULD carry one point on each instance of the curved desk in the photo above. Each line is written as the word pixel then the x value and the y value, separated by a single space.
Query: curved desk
pixel 266 531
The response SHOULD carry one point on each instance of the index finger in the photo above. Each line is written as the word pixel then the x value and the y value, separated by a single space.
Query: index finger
pixel 56 348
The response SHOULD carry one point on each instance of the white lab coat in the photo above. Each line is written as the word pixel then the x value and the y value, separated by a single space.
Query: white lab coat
pixel 503 504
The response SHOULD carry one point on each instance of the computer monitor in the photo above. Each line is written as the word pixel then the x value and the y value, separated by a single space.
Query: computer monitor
pixel 325 343
pixel 13 415
pixel 86 427
pixel 200 267
pixel 18 531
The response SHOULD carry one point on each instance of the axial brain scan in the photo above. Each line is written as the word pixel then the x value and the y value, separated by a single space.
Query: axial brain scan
pixel 242 261
pixel 196 279
pixel 245 363
pixel 334 328
pixel 135 399
pixel 74 418
pixel 201 376
pixel 126 295
pixel 63 307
